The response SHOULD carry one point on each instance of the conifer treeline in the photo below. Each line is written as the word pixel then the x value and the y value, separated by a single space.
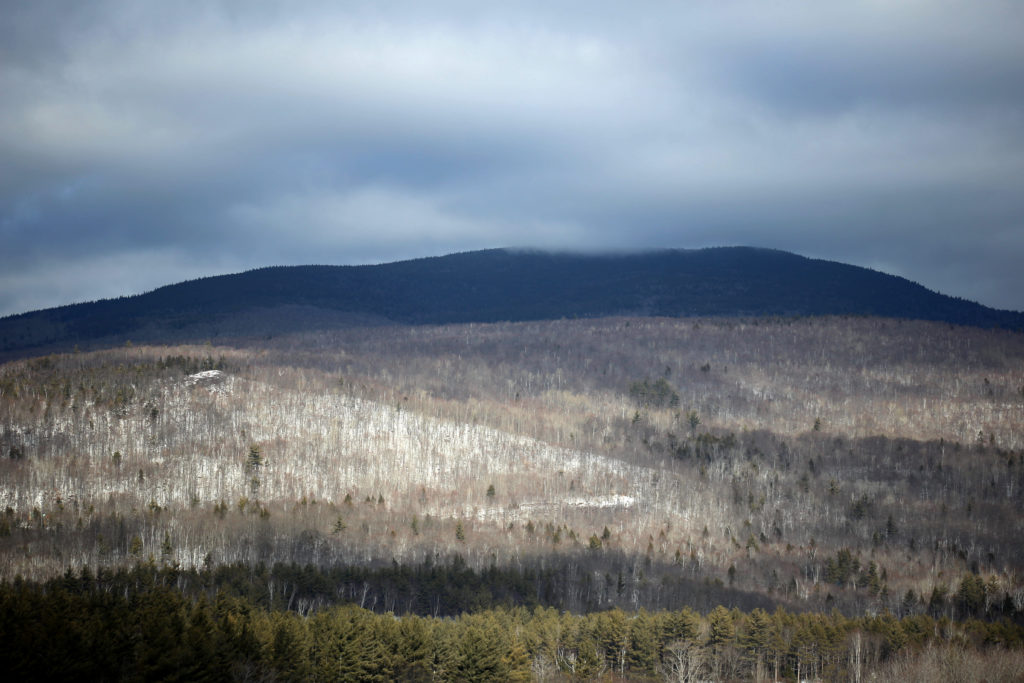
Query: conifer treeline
pixel 152 623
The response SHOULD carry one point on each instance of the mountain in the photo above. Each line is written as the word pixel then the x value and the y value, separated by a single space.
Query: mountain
pixel 626 497
pixel 490 286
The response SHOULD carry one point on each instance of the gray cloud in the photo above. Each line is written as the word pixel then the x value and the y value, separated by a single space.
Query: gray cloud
pixel 148 142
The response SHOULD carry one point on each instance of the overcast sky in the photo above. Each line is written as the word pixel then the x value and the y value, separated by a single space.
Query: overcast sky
pixel 147 142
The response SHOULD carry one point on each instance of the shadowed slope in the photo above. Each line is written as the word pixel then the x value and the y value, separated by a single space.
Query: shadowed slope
pixel 489 286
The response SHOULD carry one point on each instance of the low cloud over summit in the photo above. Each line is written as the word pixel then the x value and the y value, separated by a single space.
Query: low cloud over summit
pixel 146 142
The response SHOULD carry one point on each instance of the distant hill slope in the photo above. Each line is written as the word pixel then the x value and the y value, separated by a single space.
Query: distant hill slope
pixel 493 285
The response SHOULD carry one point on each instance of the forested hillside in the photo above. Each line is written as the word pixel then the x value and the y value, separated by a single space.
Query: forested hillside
pixel 862 468
pixel 490 286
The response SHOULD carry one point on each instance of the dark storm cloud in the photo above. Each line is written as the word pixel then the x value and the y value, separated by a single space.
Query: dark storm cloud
pixel 148 142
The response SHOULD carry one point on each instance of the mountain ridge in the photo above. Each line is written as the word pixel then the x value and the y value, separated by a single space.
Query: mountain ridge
pixel 491 286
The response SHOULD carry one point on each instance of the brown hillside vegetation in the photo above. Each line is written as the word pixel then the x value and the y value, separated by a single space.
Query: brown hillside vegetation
pixel 867 472
pixel 864 465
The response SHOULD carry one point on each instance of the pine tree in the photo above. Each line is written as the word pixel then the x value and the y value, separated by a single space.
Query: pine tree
pixel 414 649
pixel 255 460
pixel 721 634
pixel 612 636
pixel 644 644
pixel 482 650
pixel 289 649
pixel 166 549
pixel 682 625
pixel 756 639
pixel 253 464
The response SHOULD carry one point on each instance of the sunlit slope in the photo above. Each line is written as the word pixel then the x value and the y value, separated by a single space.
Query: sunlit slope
pixel 749 452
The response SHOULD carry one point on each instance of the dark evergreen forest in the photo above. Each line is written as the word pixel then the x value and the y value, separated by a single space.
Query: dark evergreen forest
pixel 491 286
pixel 240 623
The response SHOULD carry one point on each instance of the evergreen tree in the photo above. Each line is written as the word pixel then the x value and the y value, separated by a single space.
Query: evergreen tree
pixel 255 459
pixel 482 650
pixel 289 650
pixel 253 464
pixel 721 634
pixel 166 548
pixel 644 644
pixel 202 658
pixel 970 598
pixel 414 649
pixel 682 625
pixel 757 637
pixel 612 635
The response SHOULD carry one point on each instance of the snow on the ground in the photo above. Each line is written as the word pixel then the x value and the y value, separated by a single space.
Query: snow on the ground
pixel 205 377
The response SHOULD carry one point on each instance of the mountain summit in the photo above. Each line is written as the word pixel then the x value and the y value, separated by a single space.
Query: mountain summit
pixel 490 286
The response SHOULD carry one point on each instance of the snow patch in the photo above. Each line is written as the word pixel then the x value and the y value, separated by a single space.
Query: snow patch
pixel 205 378
pixel 610 501
pixel 554 508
